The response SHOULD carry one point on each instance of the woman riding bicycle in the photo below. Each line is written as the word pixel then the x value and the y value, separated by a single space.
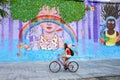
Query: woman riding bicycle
pixel 66 54
pixel 72 66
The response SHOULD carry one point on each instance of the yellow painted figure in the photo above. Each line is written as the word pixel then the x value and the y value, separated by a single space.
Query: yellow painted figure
pixel 111 38
pixel 110 14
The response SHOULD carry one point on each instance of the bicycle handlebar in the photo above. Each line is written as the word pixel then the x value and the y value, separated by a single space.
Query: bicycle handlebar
pixel 58 56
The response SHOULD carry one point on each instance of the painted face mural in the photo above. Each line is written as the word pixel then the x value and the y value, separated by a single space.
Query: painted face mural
pixel 36 30
pixel 49 26
pixel 111 24
pixel 49 40
pixel 46 30
pixel 110 37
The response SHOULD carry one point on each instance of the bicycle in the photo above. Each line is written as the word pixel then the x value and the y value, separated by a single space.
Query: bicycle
pixel 55 65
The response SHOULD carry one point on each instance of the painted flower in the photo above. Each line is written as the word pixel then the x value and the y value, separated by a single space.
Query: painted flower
pixel 93 8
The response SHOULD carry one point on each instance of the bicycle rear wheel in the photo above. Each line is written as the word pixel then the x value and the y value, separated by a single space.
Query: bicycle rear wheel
pixel 54 67
pixel 73 66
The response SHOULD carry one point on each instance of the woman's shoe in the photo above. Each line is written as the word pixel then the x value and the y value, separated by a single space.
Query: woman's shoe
pixel 65 67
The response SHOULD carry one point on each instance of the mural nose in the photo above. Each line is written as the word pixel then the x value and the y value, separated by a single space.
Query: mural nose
pixel 49 23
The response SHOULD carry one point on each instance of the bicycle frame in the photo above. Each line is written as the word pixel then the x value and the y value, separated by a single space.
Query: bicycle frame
pixel 58 59
pixel 59 62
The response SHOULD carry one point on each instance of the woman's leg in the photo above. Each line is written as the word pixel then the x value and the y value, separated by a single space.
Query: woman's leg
pixel 63 58
pixel 66 60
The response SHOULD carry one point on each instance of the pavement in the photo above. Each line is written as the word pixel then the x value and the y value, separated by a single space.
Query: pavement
pixel 102 69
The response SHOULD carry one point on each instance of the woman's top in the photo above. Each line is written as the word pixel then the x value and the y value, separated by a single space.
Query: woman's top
pixel 68 51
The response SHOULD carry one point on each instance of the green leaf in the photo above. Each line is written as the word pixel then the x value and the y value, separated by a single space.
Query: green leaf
pixel 3 3
pixel 3 13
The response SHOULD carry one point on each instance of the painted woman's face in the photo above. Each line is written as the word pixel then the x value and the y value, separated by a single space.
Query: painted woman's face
pixel 111 24
pixel 49 26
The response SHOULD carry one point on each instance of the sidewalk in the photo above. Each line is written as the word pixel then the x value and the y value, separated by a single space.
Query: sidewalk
pixel 89 69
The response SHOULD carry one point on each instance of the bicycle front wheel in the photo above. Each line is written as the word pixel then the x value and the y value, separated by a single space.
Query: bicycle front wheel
pixel 73 66
pixel 54 67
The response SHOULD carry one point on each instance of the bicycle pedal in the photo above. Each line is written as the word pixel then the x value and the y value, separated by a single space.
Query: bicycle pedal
pixel 65 68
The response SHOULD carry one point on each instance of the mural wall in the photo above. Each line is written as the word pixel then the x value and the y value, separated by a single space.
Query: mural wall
pixel 37 30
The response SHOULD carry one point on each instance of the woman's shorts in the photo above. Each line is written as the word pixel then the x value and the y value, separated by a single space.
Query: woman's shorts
pixel 68 56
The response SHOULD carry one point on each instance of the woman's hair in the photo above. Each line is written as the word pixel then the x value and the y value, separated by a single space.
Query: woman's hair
pixel 110 10
pixel 65 46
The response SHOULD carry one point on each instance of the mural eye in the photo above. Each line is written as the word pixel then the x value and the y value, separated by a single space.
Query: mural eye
pixel 112 22
pixel 108 22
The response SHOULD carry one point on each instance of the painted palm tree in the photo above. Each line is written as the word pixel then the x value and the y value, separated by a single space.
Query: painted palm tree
pixel 3 4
